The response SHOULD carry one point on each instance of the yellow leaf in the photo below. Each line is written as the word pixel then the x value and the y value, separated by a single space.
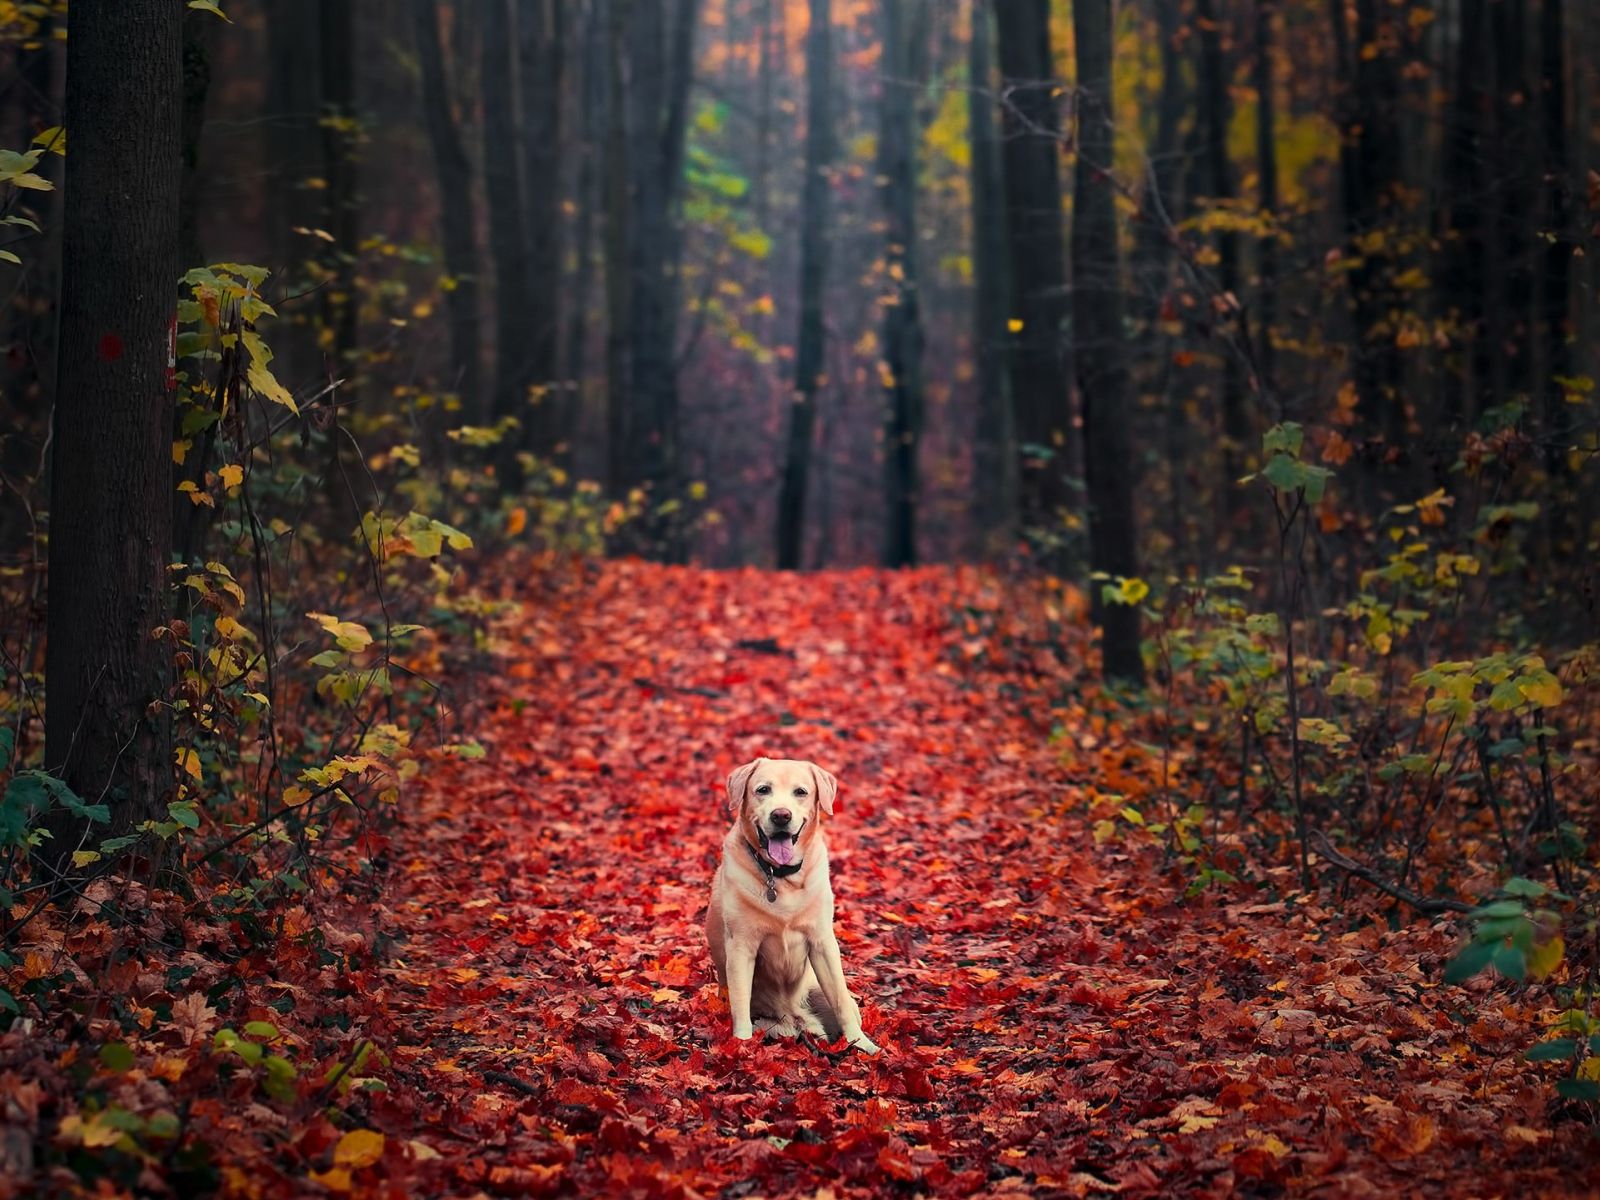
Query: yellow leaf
pixel 1544 689
pixel 91 1134
pixel 1546 958
pixel 230 630
pixel 180 450
pixel 421 1151
pixel 358 1148
pixel 82 858
pixel 516 521
pixel 232 475
pixel 295 796
pixel 1014 324
pixel 189 761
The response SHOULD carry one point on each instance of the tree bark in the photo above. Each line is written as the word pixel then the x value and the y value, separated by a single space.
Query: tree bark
pixel 1097 321
pixel 508 246
pixel 196 84
pixel 658 57
pixel 456 223
pixel 902 322
pixel 1040 382
pixel 1557 273
pixel 540 30
pixel 107 732
pixel 814 248
pixel 1267 174
pixel 994 462
pixel 1216 112
pixel 341 301
pixel 1461 203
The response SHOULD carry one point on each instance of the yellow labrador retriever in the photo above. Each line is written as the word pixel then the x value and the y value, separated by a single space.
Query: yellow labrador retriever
pixel 770 922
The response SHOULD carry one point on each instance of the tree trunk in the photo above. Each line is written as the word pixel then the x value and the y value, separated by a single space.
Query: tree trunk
pixel 618 256
pixel 1216 113
pixel 659 60
pixel 1267 172
pixel 508 247
pixel 1461 203
pixel 994 460
pixel 590 196
pixel 1102 371
pixel 540 30
pixel 456 222
pixel 1557 276
pixel 902 323
pixel 341 300
pixel 814 246
pixel 1040 383
pixel 196 83
pixel 107 732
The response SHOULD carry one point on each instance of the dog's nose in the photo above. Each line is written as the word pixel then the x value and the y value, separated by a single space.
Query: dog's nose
pixel 780 818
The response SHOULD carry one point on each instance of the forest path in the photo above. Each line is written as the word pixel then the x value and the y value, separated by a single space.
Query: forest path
pixel 1054 1023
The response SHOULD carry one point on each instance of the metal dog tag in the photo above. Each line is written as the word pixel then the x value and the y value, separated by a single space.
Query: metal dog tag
pixel 772 890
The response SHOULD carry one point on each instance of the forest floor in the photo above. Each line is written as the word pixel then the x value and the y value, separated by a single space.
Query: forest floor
pixel 1057 1019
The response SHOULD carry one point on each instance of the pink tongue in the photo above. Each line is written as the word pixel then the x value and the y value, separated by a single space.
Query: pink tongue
pixel 781 852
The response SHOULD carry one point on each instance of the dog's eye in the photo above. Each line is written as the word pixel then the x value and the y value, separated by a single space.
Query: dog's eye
pixel 800 792
pixel 764 790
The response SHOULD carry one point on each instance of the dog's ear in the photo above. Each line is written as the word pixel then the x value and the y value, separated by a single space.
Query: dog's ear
pixel 827 788
pixel 738 782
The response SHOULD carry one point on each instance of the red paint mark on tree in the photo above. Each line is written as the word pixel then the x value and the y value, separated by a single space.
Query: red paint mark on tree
pixel 110 347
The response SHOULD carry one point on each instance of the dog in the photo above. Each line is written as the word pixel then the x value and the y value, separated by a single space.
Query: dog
pixel 770 921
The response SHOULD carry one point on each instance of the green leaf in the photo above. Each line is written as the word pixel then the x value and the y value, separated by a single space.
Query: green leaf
pixel 10 257
pixel 210 6
pixel 1500 908
pixel 1511 962
pixel 1524 887
pixel 1551 1050
pixel 185 814
pixel 1474 958
pixel 116 1055
pixel 261 1029
pixel 8 743
pixel 1578 1089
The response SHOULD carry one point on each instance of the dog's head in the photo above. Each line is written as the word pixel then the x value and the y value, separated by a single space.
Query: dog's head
pixel 780 803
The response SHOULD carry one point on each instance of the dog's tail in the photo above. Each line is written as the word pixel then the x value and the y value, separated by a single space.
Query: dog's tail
pixel 818 1004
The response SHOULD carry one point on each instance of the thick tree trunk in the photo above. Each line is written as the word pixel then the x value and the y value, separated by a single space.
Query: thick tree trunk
pixel 1462 232
pixel 540 30
pixel 590 196
pixel 1102 371
pixel 814 246
pixel 902 322
pixel 1267 172
pixel 196 83
pixel 994 460
pixel 618 237
pixel 1040 382
pixel 508 246
pixel 107 733
pixel 658 50
pixel 456 223
pixel 341 300
pixel 1557 268
pixel 1216 112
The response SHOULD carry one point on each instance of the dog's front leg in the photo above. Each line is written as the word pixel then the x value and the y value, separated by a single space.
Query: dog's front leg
pixel 828 965
pixel 741 978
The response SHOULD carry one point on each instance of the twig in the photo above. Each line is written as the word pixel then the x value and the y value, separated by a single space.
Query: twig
pixel 1425 904
pixel 512 1082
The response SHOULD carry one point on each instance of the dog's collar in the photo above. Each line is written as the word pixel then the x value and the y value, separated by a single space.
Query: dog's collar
pixel 772 872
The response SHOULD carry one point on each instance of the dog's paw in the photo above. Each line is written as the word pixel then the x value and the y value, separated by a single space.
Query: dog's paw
pixel 866 1044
